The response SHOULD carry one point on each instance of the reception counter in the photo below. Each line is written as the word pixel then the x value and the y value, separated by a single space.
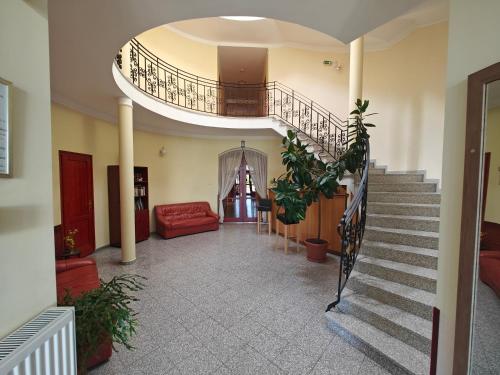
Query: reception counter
pixel 331 213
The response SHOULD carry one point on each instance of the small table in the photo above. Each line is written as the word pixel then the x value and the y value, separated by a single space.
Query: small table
pixel 67 254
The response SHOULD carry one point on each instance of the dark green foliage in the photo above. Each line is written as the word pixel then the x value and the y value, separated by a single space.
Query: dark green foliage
pixel 105 314
pixel 306 177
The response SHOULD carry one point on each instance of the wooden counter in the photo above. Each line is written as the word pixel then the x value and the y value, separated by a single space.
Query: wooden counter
pixel 331 213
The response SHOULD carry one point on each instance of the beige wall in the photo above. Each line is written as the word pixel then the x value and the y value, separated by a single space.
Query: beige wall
pixel 492 144
pixel 27 275
pixel 186 54
pixel 473 45
pixel 405 85
pixel 303 71
pixel 187 172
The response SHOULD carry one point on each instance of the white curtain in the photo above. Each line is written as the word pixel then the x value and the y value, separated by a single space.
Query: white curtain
pixel 229 164
pixel 257 164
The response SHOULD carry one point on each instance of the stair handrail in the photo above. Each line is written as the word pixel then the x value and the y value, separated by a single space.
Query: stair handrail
pixel 351 228
pixel 172 85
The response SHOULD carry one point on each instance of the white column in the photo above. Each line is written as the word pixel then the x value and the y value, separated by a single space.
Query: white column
pixel 356 72
pixel 127 211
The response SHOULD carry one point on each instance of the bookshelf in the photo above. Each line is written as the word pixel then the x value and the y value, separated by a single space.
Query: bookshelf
pixel 141 204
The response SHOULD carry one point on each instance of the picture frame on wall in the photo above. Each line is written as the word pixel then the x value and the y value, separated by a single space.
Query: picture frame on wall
pixel 5 128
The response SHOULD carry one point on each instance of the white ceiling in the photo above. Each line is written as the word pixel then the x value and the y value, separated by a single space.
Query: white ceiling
pixel 274 33
pixel 85 36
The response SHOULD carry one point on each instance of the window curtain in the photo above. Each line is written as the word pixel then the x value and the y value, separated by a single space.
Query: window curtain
pixel 229 164
pixel 257 165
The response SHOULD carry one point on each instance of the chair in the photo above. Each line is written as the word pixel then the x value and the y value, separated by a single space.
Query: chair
pixel 264 205
pixel 280 217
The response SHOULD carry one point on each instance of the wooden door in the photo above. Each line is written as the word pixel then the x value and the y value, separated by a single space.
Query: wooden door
pixel 77 199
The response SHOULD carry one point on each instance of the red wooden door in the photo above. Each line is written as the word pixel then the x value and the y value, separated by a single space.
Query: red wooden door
pixel 77 199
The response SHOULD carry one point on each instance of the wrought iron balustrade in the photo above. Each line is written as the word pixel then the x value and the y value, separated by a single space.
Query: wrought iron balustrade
pixel 175 86
pixel 352 228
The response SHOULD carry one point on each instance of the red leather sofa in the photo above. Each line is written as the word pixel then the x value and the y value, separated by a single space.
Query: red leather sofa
pixel 79 275
pixel 489 269
pixel 179 219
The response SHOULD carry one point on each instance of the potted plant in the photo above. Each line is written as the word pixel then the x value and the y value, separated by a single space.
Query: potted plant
pixel 104 315
pixel 307 178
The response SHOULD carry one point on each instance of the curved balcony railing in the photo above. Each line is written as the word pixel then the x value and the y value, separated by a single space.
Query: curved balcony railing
pixel 352 227
pixel 177 87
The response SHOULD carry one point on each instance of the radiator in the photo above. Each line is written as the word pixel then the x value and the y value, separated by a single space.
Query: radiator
pixel 44 346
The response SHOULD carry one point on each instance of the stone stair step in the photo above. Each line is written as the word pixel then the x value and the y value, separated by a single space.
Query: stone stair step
pixel 409 328
pixel 416 256
pixel 403 197
pixel 396 178
pixel 414 276
pixel 428 187
pixel 325 157
pixel 391 353
pixel 415 301
pixel 407 209
pixel 376 171
pixel 421 223
pixel 429 240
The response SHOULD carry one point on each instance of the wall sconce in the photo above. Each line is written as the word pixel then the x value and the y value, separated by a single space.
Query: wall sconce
pixel 163 151
pixel 334 63
pixel 242 143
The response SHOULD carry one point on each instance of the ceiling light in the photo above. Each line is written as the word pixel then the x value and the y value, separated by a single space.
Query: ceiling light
pixel 242 18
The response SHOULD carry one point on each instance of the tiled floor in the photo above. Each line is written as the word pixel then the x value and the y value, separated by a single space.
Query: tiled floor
pixel 226 302
pixel 486 339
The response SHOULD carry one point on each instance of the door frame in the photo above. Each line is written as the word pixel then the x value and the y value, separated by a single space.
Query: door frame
pixel 486 178
pixel 471 213
pixel 242 198
pixel 92 213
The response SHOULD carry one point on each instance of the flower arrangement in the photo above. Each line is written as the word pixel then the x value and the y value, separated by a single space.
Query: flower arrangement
pixel 69 240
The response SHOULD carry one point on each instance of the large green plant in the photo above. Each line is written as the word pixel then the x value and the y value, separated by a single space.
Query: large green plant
pixel 104 314
pixel 307 178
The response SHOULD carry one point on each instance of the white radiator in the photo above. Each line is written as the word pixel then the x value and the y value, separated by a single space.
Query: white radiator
pixel 44 346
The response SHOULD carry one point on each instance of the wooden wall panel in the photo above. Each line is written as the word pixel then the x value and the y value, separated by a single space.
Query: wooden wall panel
pixel 331 210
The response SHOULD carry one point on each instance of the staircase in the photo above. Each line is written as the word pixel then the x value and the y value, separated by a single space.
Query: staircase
pixel 386 306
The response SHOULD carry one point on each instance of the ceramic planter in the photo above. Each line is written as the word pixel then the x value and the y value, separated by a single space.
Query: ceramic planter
pixel 316 250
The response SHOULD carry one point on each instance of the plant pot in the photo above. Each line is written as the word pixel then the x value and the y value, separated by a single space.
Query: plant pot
pixel 316 250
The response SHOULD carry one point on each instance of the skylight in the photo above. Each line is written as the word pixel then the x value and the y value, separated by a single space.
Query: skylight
pixel 242 18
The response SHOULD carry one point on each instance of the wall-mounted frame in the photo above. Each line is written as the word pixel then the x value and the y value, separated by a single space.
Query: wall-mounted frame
pixel 5 128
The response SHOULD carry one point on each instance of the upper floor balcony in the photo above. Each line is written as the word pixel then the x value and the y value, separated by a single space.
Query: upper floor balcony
pixel 184 96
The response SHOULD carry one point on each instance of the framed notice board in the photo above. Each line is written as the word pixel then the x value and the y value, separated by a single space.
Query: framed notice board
pixel 5 128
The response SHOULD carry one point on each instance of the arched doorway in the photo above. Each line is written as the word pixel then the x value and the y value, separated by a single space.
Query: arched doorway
pixel 242 181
